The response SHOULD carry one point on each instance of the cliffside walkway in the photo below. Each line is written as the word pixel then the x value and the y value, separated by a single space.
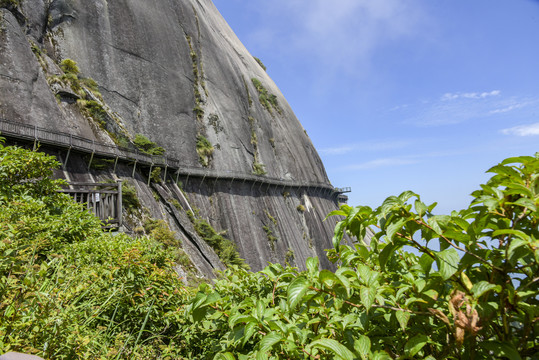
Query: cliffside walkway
pixel 71 143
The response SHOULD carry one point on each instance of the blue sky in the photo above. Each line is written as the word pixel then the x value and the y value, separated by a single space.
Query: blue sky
pixel 396 95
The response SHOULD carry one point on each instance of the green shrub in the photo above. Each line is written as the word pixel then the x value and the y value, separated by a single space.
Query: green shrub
pixel 473 293
pixel 301 208
pixel 147 146
pixel 223 247
pixel 69 67
pixel 260 63
pixel 155 175
pixel 259 169
pixel 204 150
pixel 289 257
pixel 130 198
pixel 68 289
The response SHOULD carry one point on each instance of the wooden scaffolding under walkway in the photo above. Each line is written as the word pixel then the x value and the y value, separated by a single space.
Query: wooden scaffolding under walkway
pixel 102 199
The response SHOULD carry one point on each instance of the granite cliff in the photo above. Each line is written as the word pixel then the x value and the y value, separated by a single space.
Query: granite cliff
pixel 175 72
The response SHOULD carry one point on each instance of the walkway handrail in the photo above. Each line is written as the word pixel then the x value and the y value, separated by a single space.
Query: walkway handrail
pixel 78 143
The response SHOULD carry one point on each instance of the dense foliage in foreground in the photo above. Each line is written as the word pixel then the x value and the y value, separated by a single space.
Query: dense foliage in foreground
pixel 469 289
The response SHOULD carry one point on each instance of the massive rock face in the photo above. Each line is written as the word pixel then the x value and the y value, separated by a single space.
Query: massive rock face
pixel 174 71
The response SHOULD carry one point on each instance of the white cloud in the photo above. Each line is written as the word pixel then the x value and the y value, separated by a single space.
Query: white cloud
pixel 523 130
pixel 344 34
pixel 509 108
pixel 383 162
pixel 472 95
pixel 366 146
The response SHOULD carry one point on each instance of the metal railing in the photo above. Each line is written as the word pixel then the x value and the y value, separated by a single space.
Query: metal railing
pixel 80 144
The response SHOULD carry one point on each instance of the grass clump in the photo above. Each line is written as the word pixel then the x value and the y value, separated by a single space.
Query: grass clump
pixel 70 290
pixel 267 100
pixel 301 208
pixel 260 63
pixel 223 247
pixel 145 145
pixel 272 239
pixel 259 169
pixel 289 257
pixel 130 199
pixel 204 150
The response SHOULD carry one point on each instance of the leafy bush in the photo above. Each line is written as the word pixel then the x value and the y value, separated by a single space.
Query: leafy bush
pixel 155 175
pixel 147 146
pixel 69 66
pixel 68 289
pixel 468 290
pixel 130 198
pixel 300 208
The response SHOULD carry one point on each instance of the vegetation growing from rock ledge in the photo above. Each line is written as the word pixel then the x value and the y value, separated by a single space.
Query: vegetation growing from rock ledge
pixel 145 145
pixel 130 198
pixel 267 100
pixel 223 247
pixel 272 239
pixel 155 175
pixel 204 150
pixel 260 63
pixel 259 169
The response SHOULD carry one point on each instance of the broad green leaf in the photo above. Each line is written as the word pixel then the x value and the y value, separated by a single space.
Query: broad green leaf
pixel 415 344
pixel 362 346
pixel 448 261
pixel 296 290
pixel 312 265
pixel 406 195
pixel 403 317
pixel 482 287
pixel 394 227
pixel 500 349
pixel 517 233
pixel 425 261
pixel 386 253
pixel 269 340
pixel 224 356
pixel 328 278
pixel 335 347
pixel 466 281
pixel 367 295
pixel 420 208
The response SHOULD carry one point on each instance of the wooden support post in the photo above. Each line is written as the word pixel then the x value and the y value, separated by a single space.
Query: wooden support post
pixel 35 137
pixel 68 151
pixel 232 182
pixel 165 175
pixel 187 180
pixel 119 205
pixel 134 168
pixel 115 163
pixel 203 178
pixel 150 174
pixel 177 176
pixel 92 157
